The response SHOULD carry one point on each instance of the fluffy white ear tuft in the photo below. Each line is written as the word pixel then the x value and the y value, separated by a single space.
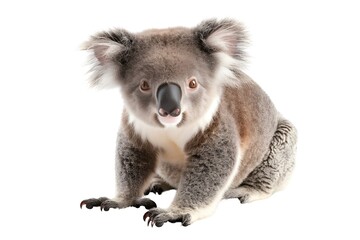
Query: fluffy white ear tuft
pixel 108 51
pixel 227 36
pixel 103 50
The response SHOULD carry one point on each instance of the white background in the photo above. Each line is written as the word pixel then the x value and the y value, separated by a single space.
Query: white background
pixel 57 136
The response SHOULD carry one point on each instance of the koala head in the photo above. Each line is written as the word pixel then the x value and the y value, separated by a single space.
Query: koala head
pixel 169 77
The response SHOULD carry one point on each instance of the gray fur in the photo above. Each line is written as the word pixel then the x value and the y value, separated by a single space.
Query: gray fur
pixel 230 143
pixel 275 167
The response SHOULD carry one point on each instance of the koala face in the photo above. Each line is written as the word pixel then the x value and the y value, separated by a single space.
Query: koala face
pixel 171 77
pixel 167 82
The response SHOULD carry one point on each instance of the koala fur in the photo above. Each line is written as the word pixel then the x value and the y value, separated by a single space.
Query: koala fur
pixel 192 120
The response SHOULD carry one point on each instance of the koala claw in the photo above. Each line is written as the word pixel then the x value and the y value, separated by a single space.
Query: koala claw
pixel 158 217
pixel 154 189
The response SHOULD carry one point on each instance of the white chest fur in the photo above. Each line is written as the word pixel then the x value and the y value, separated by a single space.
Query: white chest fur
pixel 172 140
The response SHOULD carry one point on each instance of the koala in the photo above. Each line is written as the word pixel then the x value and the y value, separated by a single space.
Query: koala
pixel 192 121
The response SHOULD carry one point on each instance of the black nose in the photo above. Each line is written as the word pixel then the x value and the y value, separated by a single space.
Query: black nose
pixel 168 99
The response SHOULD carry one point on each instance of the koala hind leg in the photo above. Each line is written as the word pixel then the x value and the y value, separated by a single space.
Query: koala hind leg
pixel 158 185
pixel 273 171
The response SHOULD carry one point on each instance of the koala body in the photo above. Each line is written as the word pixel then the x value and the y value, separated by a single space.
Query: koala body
pixel 192 120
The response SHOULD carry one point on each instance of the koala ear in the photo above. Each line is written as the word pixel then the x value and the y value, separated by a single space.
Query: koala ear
pixel 108 51
pixel 225 40
pixel 227 36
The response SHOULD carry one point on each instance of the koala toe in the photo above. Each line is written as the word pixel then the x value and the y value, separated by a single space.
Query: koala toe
pixel 93 202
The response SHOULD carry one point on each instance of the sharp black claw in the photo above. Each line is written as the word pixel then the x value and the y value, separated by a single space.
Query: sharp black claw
pixel 86 203
pixel 146 215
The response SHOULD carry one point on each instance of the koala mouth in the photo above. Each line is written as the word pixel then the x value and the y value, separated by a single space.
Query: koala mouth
pixel 170 121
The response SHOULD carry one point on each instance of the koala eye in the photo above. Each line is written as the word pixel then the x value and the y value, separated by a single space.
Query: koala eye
pixel 144 86
pixel 192 83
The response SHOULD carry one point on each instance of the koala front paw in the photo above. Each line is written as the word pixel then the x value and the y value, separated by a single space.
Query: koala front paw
pixel 93 202
pixel 103 202
pixel 158 217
